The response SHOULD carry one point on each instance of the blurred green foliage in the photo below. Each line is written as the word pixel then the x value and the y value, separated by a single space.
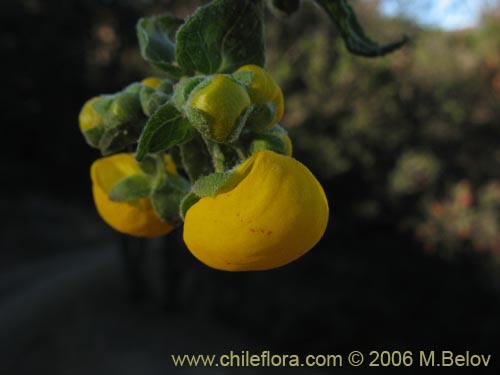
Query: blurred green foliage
pixel 407 129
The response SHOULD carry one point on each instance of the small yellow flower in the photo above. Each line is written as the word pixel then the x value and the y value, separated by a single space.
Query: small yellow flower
pixel 89 118
pixel 215 107
pixel 136 218
pixel 153 82
pixel 264 89
pixel 271 212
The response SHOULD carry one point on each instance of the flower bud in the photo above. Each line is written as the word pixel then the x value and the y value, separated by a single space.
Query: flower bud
pixel 91 123
pixel 124 110
pixel 136 218
pixel 262 88
pixel 270 212
pixel 216 108
pixel 271 142
pixel 152 82
pixel 283 135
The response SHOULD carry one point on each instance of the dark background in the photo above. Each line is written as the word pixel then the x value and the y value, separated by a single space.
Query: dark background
pixel 406 147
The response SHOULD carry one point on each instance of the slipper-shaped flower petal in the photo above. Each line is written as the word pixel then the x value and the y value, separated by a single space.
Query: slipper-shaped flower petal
pixel 271 212
pixel 136 218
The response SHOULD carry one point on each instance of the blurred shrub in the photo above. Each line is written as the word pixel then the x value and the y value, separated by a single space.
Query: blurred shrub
pixel 415 172
pixel 463 219
pixel 409 139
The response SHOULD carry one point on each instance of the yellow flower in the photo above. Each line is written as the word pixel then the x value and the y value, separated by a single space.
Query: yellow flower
pixel 271 212
pixel 264 89
pixel 215 106
pixel 136 218
pixel 153 82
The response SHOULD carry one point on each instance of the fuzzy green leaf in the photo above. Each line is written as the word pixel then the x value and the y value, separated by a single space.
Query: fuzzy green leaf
pixel 196 159
pixel 222 36
pixel 354 37
pixel 186 203
pixel 183 89
pixel 208 186
pixel 156 35
pixel 261 117
pixel 151 100
pixel 267 141
pixel 131 188
pixel 166 198
pixel 164 129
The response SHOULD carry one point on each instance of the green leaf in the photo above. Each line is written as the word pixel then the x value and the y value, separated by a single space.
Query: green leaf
pixel 164 129
pixel 186 203
pixel 156 35
pixel 196 159
pixel 261 117
pixel 117 139
pixel 131 188
pixel 151 100
pixel 208 186
pixel 267 141
pixel 183 89
pixel 355 39
pixel 148 165
pixel 222 36
pixel 244 77
pixel 175 153
pixel 167 87
pixel 166 198
pixel 93 135
pixel 123 120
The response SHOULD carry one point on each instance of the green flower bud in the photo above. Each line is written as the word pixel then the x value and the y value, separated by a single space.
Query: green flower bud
pixel 91 122
pixel 125 108
pixel 133 88
pixel 276 139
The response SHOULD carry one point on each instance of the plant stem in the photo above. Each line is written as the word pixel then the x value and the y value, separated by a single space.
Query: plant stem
pixel 217 155
pixel 160 169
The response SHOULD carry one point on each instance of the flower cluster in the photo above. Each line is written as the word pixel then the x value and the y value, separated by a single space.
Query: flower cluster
pixel 203 148
pixel 253 208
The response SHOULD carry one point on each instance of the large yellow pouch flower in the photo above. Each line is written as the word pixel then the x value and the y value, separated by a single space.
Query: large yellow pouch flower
pixel 271 212
pixel 136 218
